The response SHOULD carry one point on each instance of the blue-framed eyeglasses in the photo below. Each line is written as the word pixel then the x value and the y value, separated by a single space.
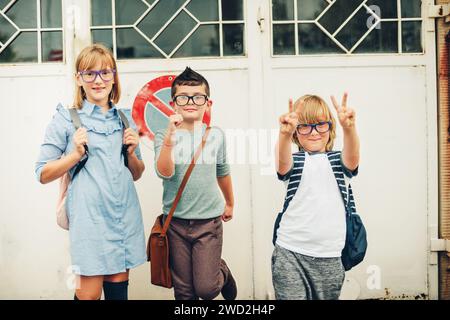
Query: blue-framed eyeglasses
pixel 90 75
pixel 321 127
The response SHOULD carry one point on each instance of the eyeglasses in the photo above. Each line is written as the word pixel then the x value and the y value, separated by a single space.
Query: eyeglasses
pixel 198 100
pixel 90 75
pixel 321 127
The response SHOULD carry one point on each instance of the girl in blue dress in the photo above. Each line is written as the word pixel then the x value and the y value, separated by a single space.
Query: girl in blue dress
pixel 106 229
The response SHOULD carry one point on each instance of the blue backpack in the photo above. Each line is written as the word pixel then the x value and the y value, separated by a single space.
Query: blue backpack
pixel 356 237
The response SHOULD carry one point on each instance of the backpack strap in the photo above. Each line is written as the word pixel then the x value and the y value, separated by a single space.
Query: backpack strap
pixel 75 117
pixel 293 184
pixel 126 125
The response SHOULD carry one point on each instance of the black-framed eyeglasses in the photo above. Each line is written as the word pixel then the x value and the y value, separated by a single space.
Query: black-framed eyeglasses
pixel 321 127
pixel 198 100
pixel 90 75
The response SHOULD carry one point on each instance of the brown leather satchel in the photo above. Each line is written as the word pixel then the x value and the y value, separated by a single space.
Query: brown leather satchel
pixel 158 244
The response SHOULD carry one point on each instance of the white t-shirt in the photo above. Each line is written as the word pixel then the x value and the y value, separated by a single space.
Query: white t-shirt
pixel 314 222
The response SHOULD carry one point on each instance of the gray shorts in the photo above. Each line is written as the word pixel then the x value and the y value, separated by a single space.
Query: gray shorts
pixel 299 277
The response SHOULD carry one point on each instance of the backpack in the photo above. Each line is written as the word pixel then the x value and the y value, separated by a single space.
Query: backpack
pixel 61 214
pixel 356 236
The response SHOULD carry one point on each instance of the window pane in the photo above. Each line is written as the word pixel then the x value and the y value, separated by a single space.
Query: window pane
pixel 52 47
pixel 128 11
pixel 101 12
pixel 283 39
pixel 204 10
pixel 203 42
pixel 22 49
pixel 175 32
pixel 232 10
pixel 411 8
pixel 6 29
pixel 51 14
pixel 411 41
pixel 104 37
pixel 23 14
pixel 313 41
pixel 383 39
pixel 338 13
pixel 283 10
pixel 233 39
pixel 384 8
pixel 310 9
pixel 131 44
pixel 3 3
pixel 158 16
pixel 354 29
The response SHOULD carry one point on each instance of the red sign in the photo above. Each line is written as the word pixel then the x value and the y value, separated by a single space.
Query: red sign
pixel 151 108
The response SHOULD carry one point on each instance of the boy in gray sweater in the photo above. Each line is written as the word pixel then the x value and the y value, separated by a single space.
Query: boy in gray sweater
pixel 195 232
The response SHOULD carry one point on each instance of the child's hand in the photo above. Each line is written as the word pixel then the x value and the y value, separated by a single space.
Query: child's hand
pixel 227 213
pixel 175 121
pixel 289 121
pixel 346 115
pixel 79 141
pixel 131 139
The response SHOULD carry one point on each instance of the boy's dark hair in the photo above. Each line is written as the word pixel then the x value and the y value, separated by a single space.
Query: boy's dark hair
pixel 189 78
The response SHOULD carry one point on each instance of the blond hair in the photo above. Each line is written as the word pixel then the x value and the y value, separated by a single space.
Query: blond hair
pixel 87 59
pixel 314 110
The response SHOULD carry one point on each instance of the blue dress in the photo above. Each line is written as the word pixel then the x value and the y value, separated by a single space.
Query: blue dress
pixel 106 228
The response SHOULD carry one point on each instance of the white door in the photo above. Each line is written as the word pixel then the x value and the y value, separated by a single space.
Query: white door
pixel 252 69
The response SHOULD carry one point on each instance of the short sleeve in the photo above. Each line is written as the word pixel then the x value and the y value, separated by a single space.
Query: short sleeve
pixel 287 175
pixel 158 141
pixel 222 166
pixel 347 172
pixel 55 140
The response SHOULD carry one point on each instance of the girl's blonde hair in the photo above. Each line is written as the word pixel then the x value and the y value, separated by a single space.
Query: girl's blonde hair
pixel 87 59
pixel 314 110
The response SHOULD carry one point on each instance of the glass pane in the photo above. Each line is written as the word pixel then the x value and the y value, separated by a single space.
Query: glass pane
pixel 338 13
pixel 282 10
pixel 283 39
pixel 131 44
pixel 23 14
pixel 232 10
pixel 22 49
pixel 127 12
pixel 6 29
pixel 204 10
pixel 101 12
pixel 310 9
pixel 51 14
pixel 382 40
pixel 104 37
pixel 175 32
pixel 3 3
pixel 158 16
pixel 203 42
pixel 233 39
pixel 411 8
pixel 354 29
pixel 411 36
pixel 52 47
pixel 385 9
pixel 312 40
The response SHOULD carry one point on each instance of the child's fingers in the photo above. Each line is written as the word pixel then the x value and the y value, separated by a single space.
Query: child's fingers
pixel 344 100
pixel 291 106
pixel 335 104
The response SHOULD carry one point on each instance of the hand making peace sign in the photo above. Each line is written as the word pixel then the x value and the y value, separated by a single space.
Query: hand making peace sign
pixel 289 121
pixel 346 115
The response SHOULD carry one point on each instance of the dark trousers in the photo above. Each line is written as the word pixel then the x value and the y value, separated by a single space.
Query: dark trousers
pixel 195 258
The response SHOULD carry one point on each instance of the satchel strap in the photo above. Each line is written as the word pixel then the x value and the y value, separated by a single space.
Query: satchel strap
pixel 77 124
pixel 184 182
pixel 126 125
